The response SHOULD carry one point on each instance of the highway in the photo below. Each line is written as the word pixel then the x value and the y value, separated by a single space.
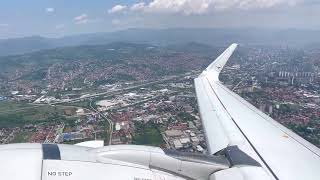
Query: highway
pixel 120 91
pixel 110 130
pixel 117 92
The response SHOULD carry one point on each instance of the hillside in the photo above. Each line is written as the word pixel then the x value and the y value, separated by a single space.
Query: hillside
pixel 87 66
pixel 164 37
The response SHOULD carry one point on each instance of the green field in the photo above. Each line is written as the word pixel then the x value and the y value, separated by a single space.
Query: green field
pixel 147 134
pixel 22 137
pixel 84 104
pixel 7 106
pixel 18 114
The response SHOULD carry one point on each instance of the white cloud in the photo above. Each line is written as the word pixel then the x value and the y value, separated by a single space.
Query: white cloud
pixel 188 7
pixel 82 19
pixel 50 10
pixel 138 6
pixel 117 9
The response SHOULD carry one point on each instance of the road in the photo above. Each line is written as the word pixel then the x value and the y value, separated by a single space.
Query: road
pixel 110 131
pixel 236 86
pixel 116 92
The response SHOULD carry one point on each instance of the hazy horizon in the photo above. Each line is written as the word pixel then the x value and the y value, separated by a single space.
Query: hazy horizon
pixel 157 29
pixel 64 18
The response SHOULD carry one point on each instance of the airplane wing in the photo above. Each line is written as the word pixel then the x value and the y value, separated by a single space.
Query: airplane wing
pixel 257 146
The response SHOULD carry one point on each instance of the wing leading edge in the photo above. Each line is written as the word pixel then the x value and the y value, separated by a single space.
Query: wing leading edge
pixel 229 120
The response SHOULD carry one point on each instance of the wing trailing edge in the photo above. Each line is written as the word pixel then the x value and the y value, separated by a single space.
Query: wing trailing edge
pixel 213 115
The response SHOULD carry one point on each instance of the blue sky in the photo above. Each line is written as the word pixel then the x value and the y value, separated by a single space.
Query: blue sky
pixel 54 18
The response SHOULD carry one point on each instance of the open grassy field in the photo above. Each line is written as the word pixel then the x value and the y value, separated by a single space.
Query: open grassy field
pixel 18 114
pixel 84 104
pixel 7 106
pixel 147 134
pixel 22 137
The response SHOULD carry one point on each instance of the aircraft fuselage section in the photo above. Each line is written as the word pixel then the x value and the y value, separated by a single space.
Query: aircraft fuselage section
pixel 126 162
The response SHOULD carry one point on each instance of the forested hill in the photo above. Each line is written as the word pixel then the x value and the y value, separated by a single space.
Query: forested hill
pixel 164 37
pixel 98 64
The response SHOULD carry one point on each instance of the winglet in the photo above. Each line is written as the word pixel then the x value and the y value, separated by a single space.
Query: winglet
pixel 217 65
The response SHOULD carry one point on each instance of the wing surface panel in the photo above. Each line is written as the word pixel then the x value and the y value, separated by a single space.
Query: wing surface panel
pixel 286 156
pixel 229 120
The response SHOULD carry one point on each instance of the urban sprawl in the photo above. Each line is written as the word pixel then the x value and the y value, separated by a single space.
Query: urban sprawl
pixel 281 82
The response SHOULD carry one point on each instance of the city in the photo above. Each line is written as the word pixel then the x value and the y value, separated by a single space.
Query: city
pixel 163 111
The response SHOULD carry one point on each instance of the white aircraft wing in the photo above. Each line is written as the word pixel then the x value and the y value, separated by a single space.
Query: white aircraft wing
pixel 233 126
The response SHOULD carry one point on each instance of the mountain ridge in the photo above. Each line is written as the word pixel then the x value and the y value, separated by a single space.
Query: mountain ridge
pixel 164 37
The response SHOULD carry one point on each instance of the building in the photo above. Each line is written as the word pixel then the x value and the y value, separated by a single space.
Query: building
pixel 173 133
pixel 177 144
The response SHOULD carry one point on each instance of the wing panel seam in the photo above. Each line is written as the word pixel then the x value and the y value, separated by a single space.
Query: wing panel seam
pixel 256 151
pixel 266 119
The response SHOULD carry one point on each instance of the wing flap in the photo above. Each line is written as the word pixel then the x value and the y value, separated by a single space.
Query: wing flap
pixel 216 137
pixel 216 121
